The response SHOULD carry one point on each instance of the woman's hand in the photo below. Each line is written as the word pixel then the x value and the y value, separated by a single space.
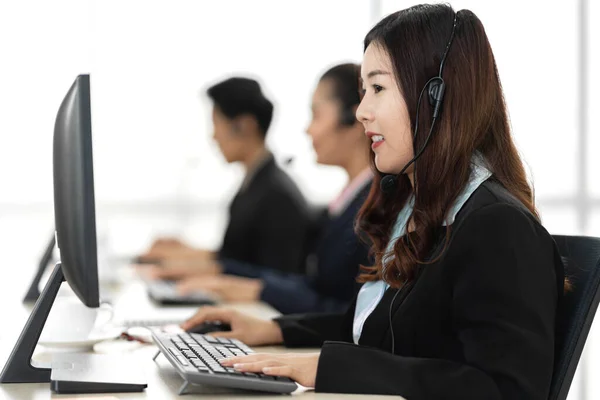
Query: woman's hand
pixel 174 249
pixel 227 287
pixel 180 269
pixel 252 331
pixel 300 367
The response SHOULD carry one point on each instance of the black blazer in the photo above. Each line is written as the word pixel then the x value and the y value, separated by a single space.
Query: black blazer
pixel 477 324
pixel 334 264
pixel 268 222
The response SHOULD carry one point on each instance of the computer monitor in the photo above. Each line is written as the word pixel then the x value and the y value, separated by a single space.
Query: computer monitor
pixel 74 213
pixel 74 208
pixel 75 228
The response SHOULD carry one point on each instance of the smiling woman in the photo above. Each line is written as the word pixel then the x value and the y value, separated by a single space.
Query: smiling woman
pixel 462 297
pixel 384 112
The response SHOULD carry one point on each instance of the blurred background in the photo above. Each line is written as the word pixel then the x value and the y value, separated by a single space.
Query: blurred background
pixel 157 171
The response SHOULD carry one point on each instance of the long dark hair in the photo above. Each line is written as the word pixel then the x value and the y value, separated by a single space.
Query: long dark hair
pixel 345 79
pixel 473 119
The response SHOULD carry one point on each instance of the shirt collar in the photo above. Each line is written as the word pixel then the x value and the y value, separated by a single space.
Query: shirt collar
pixel 350 192
pixel 479 174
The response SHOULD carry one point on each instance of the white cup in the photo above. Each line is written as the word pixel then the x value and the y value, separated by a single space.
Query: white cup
pixel 71 321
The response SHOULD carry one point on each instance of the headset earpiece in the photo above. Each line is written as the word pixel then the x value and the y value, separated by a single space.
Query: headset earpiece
pixel 436 91
pixel 347 117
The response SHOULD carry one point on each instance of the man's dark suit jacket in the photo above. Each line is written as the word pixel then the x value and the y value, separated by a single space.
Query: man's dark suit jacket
pixel 479 323
pixel 268 222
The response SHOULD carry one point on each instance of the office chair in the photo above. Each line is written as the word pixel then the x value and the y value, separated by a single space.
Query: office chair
pixel 581 256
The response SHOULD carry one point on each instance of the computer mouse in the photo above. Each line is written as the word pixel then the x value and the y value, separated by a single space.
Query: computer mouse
pixel 209 327
pixel 141 260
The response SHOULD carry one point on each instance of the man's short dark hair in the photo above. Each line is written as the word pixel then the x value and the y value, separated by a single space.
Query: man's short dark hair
pixel 238 96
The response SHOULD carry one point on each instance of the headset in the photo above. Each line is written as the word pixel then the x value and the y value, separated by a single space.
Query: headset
pixel 347 116
pixel 436 88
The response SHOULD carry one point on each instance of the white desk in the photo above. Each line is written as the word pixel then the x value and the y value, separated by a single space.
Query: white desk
pixel 163 380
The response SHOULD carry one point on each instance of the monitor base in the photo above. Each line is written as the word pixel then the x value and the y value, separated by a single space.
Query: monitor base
pixel 18 368
pixel 95 373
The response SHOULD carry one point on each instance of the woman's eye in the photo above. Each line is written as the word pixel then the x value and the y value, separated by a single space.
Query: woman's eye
pixel 377 88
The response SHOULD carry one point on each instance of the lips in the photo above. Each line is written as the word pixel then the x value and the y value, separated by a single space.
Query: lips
pixel 376 138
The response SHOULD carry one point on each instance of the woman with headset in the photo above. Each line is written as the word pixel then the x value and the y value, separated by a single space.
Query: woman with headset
pixel 462 297
pixel 336 253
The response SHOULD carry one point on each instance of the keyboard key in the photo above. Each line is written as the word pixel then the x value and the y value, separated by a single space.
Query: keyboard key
pixel 182 360
pixel 199 364
pixel 174 351
pixel 181 346
pixel 228 353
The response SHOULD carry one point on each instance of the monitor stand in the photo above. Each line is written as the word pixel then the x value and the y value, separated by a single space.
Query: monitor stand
pixel 34 292
pixel 74 373
pixel 18 368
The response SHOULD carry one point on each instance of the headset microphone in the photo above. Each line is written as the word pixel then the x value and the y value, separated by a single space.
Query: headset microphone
pixel 388 184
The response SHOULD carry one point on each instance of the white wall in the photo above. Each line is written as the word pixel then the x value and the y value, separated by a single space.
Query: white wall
pixel 150 61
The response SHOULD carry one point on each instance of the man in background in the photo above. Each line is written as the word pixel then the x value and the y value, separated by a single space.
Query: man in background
pixel 268 217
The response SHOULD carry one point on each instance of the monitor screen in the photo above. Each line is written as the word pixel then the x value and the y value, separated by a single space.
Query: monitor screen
pixel 74 206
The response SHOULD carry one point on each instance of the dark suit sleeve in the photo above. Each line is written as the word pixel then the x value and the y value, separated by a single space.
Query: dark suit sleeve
pixel 293 293
pixel 282 227
pixel 289 293
pixel 333 287
pixel 500 272
pixel 239 268
pixel 311 330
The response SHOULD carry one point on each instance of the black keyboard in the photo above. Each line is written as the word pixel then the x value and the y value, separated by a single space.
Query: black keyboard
pixel 196 358
pixel 165 292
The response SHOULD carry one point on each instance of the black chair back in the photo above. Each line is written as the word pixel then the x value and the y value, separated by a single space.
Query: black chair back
pixel 581 256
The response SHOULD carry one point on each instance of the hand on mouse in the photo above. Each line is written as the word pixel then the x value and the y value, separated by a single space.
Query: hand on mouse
pixel 227 287
pixel 252 331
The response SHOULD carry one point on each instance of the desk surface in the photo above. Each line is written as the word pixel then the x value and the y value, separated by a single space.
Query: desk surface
pixel 163 381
